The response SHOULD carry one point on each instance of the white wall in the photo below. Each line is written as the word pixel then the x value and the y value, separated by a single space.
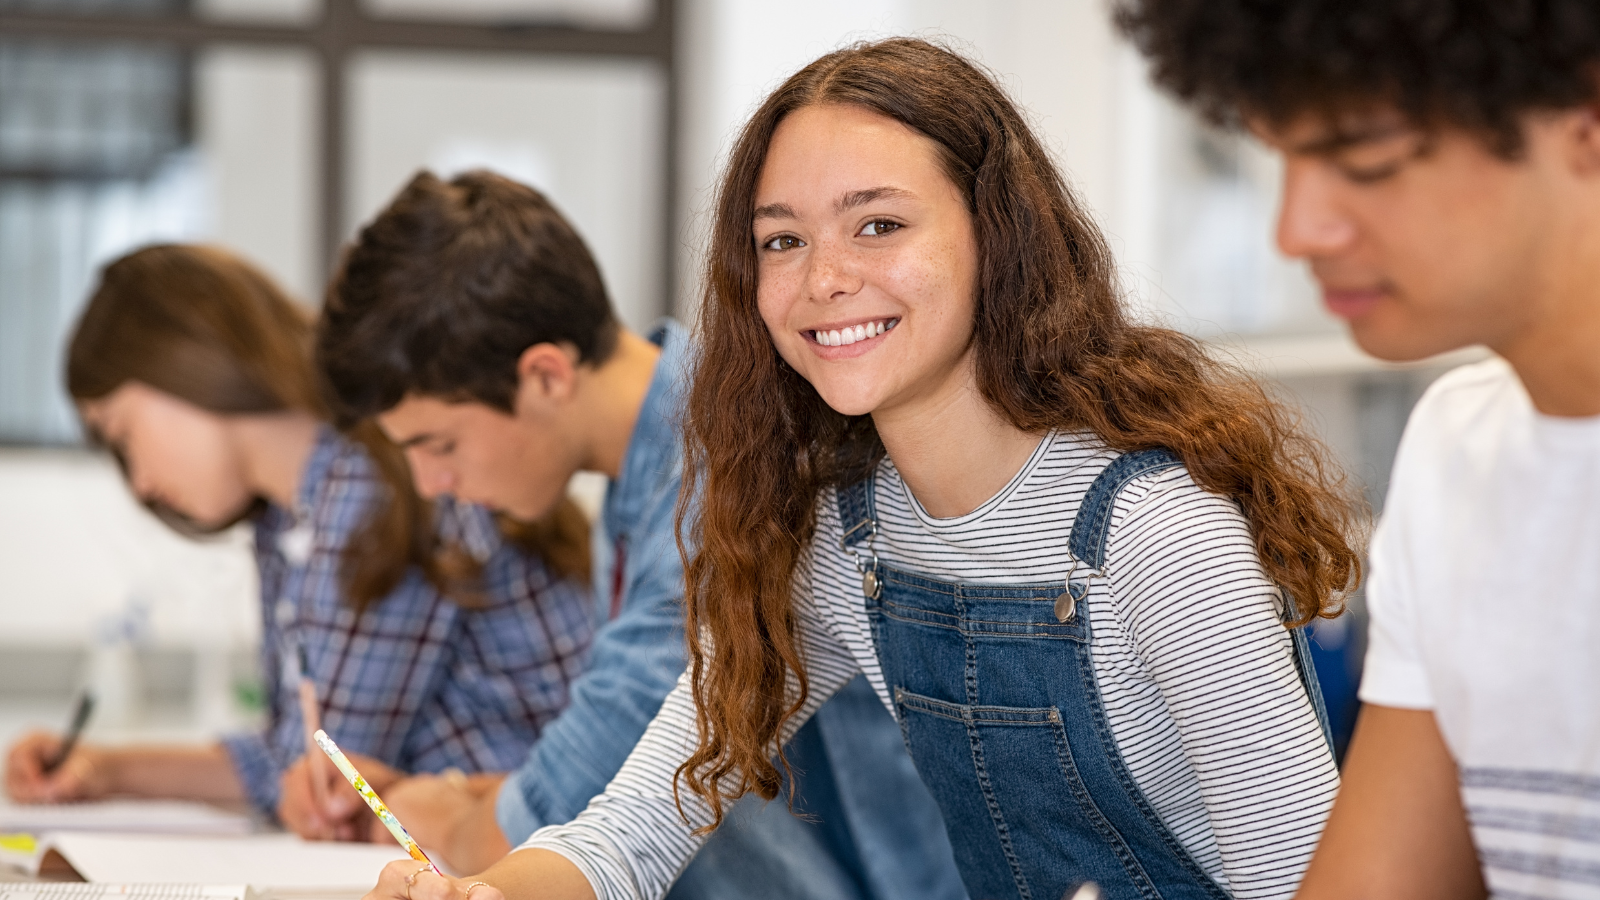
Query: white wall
pixel 256 122
pixel 586 132
pixel 1056 57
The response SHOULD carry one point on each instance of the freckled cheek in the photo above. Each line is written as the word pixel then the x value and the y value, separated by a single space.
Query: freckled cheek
pixel 925 279
pixel 775 302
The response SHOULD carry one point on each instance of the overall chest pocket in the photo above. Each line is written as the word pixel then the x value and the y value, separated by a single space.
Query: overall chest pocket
pixel 1023 819
pixel 979 646
pixel 1000 711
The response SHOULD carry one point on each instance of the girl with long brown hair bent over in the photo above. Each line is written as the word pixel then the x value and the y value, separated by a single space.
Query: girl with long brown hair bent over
pixel 435 635
pixel 1066 549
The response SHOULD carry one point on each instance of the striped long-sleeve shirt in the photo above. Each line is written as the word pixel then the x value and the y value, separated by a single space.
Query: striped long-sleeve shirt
pixel 1194 667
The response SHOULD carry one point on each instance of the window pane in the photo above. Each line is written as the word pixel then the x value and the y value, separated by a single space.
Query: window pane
pixel 106 148
pixel 95 156
pixel 607 14
pixel 587 133
pixel 273 12
pixel 98 7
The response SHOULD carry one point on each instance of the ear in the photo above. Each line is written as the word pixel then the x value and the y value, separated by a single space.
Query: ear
pixel 547 378
pixel 1584 139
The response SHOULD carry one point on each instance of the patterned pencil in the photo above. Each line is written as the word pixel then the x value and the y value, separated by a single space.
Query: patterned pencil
pixel 342 762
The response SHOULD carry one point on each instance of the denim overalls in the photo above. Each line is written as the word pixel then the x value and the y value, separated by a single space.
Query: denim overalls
pixel 995 691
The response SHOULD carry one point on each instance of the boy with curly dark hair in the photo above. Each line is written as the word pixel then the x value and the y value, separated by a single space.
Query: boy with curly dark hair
pixel 1442 178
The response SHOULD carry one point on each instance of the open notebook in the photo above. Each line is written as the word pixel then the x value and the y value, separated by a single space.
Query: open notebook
pixel 69 891
pixel 274 864
pixel 153 816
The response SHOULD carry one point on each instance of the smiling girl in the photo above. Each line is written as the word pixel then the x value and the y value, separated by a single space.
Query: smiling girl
pixel 1063 547
pixel 433 640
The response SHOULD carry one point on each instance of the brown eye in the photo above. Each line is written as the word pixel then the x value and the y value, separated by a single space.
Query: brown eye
pixel 783 242
pixel 878 228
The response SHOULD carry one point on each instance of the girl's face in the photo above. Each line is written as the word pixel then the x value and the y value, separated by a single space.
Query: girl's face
pixel 867 261
pixel 177 455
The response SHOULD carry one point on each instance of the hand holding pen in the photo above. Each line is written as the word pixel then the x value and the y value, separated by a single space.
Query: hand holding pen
pixel 371 797
pixel 44 768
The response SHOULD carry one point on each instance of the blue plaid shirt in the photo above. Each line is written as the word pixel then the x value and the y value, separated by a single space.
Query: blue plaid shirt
pixel 416 680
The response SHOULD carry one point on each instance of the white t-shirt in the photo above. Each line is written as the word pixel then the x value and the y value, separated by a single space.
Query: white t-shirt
pixel 1485 601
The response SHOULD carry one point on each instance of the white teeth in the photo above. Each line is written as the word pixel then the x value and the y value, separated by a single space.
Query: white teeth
pixel 841 337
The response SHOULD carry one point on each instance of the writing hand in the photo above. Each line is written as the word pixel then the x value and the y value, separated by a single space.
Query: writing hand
pixel 343 817
pixel 82 776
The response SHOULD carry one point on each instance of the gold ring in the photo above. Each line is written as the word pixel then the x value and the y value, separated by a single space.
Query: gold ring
pixel 468 894
pixel 412 879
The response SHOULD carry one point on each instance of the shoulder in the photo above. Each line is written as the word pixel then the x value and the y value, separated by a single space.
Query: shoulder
pixel 1462 397
pixel 1168 506
pixel 340 483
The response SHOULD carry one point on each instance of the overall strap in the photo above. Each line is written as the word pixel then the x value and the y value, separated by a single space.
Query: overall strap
pixel 1088 541
pixel 857 516
pixel 1088 545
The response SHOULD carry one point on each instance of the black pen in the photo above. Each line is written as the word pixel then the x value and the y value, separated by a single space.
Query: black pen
pixel 80 718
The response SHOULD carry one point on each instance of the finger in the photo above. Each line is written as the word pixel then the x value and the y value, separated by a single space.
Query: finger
pixel 429 886
pixel 392 881
pixel 68 781
pixel 344 804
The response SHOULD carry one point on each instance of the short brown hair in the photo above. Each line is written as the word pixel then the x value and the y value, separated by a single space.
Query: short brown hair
pixel 445 289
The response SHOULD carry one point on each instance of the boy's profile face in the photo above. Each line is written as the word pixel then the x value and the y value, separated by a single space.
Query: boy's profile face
pixel 1422 241
pixel 478 454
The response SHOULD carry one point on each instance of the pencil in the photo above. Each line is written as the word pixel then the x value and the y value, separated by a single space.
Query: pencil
pixel 342 762
pixel 80 718
pixel 311 718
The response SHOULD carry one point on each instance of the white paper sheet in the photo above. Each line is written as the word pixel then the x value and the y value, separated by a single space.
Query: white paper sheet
pixel 69 891
pixel 127 816
pixel 273 863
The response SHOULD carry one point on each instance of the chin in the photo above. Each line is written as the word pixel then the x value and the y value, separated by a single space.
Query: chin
pixel 849 400
pixel 1400 342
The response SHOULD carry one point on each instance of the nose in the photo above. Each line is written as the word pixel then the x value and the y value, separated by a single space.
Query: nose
pixel 831 274
pixel 1310 221
pixel 432 480
pixel 139 481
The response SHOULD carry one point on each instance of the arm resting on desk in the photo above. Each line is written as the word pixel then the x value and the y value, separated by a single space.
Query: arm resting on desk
pixel 91 772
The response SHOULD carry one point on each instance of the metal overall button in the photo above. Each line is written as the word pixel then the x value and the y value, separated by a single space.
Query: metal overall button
pixel 870 586
pixel 1066 604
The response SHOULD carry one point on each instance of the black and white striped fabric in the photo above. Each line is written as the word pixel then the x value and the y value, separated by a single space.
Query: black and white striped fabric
pixel 1194 668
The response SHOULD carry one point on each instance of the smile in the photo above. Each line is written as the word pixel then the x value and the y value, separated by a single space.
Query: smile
pixel 841 337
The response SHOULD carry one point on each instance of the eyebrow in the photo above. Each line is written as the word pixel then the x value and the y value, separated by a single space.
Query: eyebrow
pixel 845 203
pixel 416 439
pixel 775 211
pixel 1341 140
pixel 862 198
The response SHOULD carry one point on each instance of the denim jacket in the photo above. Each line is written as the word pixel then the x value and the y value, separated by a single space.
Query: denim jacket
pixel 638 653
pixel 868 829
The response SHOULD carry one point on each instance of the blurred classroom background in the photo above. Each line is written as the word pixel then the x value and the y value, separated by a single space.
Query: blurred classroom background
pixel 276 127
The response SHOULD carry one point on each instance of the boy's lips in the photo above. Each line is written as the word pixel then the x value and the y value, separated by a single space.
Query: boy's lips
pixel 1352 303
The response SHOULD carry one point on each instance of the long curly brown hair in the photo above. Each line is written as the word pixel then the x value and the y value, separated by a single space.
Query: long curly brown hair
pixel 1053 349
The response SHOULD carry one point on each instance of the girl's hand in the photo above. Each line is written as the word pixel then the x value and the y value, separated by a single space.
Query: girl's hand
pixel 524 874
pixel 407 879
pixel 84 775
